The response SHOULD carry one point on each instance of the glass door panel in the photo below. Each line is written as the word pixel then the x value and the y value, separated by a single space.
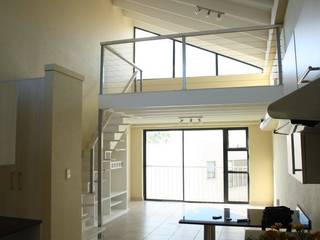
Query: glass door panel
pixel 203 165
pixel 164 179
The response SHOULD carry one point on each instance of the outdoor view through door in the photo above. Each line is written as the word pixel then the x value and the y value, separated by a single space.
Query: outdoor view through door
pixel 196 165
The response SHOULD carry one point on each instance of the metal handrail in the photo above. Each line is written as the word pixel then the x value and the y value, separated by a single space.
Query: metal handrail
pixel 133 78
pixel 190 34
pixel 305 74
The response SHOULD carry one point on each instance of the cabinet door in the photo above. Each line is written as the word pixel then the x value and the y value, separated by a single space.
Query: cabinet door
pixel 8 191
pixel 8 109
pixel 307 35
pixel 29 146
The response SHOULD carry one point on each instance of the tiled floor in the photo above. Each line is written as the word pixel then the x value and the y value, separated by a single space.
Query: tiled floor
pixel 159 221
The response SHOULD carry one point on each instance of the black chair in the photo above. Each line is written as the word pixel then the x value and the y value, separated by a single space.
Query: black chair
pixel 273 215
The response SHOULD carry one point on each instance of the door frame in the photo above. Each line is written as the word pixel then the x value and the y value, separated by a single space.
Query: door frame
pixel 225 162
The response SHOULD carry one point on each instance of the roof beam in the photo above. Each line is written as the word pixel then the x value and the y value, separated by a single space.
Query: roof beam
pixel 234 10
pixel 260 4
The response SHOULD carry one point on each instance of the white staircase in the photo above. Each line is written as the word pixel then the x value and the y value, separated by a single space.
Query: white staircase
pixel 114 178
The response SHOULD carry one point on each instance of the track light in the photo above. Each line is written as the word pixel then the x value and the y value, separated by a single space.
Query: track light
pixel 190 119
pixel 209 11
pixel 197 10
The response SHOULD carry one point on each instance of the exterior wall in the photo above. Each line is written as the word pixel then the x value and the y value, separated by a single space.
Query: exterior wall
pixel 67 33
pixel 287 189
pixel 260 163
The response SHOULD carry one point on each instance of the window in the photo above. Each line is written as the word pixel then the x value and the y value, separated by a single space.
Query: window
pixel 199 62
pixel 238 171
pixel 198 165
pixel 228 66
pixel 154 57
pixel 163 59
pixel 211 169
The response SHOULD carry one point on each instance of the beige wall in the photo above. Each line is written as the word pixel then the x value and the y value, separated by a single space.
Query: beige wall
pixel 168 84
pixel 37 32
pixel 260 164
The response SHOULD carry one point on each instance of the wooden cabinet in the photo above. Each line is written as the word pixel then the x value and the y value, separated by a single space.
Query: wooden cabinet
pixel 307 37
pixel 8 112
pixel 304 155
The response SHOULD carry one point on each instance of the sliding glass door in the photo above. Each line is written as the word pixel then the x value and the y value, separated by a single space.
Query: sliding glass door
pixel 163 169
pixel 203 165
pixel 197 165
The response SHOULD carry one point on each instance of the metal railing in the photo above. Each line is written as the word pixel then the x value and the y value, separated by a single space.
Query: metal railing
pixel 165 182
pixel 258 46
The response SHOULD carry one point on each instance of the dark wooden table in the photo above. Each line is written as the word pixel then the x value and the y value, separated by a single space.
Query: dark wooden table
pixel 17 228
pixel 230 217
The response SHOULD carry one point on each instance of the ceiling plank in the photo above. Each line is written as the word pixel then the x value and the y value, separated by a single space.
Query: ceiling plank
pixel 237 11
pixel 223 46
pixel 177 10
pixel 260 4
pixel 251 44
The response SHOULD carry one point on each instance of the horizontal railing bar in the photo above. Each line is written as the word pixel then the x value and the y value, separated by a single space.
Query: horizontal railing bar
pixel 123 58
pixel 191 34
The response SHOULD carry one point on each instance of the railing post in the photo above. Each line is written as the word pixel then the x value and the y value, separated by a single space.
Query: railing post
pixel 278 33
pixel 135 85
pixel 91 190
pixel 100 144
pixel 141 81
pixel 100 157
pixel 101 70
pixel 184 63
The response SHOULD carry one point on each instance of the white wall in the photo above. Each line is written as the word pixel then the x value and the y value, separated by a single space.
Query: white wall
pixel 287 189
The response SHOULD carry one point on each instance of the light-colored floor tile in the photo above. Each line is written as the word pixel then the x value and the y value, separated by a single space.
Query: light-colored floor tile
pixel 159 221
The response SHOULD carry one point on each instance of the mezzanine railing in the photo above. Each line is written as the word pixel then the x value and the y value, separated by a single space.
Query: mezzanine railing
pixel 194 60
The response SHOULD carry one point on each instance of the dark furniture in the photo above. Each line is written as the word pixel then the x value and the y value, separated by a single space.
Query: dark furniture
pixel 17 228
pixel 272 215
pixel 231 217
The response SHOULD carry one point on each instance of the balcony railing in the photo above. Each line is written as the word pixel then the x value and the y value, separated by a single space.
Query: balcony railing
pixel 166 183
pixel 238 57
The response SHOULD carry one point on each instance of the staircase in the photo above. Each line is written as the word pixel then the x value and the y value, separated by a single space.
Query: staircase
pixel 114 200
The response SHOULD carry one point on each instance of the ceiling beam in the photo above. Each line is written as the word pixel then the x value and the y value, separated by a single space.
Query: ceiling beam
pixel 260 4
pixel 279 11
pixel 252 15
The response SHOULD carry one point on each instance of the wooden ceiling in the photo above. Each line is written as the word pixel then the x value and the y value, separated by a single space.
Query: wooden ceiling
pixel 176 16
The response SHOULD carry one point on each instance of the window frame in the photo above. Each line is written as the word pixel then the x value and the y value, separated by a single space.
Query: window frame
pixel 216 54
pixel 226 171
